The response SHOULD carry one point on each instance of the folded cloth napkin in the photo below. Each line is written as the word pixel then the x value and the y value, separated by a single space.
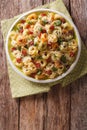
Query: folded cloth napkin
pixel 21 87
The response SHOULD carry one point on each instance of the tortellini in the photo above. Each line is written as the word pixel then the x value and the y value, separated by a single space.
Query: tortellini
pixel 17 54
pixel 58 32
pixel 56 55
pixel 45 55
pixel 52 38
pixel 31 68
pixel 33 51
pixel 26 60
pixel 43 45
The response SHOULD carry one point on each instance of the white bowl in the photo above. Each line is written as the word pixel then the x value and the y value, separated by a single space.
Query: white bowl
pixel 48 80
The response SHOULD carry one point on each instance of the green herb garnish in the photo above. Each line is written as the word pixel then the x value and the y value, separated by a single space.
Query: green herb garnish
pixel 54 69
pixel 65 69
pixel 57 23
pixel 39 57
pixel 15 28
pixel 35 44
pixel 29 22
pixel 63 59
pixel 44 22
pixel 19 48
pixel 39 71
pixel 40 29
pixel 60 40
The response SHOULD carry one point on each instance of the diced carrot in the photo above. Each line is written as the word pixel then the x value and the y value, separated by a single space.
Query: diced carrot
pixel 22 21
pixel 48 72
pixel 54 46
pixel 43 31
pixel 43 14
pixel 37 65
pixel 27 26
pixel 30 32
pixel 19 60
pixel 21 30
pixel 33 75
pixel 24 52
pixel 52 27
pixel 72 54
pixel 39 35
pixel 49 59
pixel 13 48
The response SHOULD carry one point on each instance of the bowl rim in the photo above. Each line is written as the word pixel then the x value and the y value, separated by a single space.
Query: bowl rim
pixel 48 80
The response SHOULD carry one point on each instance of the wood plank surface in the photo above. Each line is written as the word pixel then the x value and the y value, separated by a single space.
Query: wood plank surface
pixel 61 108
pixel 79 88
pixel 8 107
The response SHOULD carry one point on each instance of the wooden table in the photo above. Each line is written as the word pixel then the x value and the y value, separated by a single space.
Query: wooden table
pixel 61 108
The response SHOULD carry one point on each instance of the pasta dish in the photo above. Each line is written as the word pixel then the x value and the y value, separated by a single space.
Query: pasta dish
pixel 43 45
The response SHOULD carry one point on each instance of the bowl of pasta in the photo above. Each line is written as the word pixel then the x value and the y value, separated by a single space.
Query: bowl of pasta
pixel 43 45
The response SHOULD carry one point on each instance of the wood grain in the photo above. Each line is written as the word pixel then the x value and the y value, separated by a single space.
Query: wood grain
pixel 79 88
pixel 79 105
pixel 8 106
pixel 57 109
pixel 79 15
pixel 31 113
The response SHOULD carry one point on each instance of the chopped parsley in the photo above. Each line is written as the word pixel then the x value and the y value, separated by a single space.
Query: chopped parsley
pixel 19 48
pixel 57 23
pixel 63 59
pixel 60 40
pixel 29 22
pixel 44 22
pixel 54 69
pixel 40 29
pixel 35 44
pixel 39 71
pixel 39 57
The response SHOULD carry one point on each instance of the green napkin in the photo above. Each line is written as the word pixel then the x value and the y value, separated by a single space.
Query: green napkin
pixel 21 87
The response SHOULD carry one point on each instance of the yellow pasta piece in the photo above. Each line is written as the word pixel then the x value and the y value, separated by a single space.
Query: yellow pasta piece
pixel 29 69
pixel 64 46
pixel 52 75
pixel 31 16
pixel 44 37
pixel 56 55
pixel 51 17
pixel 39 77
pixel 60 69
pixel 52 38
pixel 17 64
pixel 57 16
pixel 21 40
pixel 58 32
pixel 42 45
pixel 45 55
pixel 13 35
pixel 49 66
pixel 42 63
pixel 26 60
pixel 33 51
pixel 17 54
